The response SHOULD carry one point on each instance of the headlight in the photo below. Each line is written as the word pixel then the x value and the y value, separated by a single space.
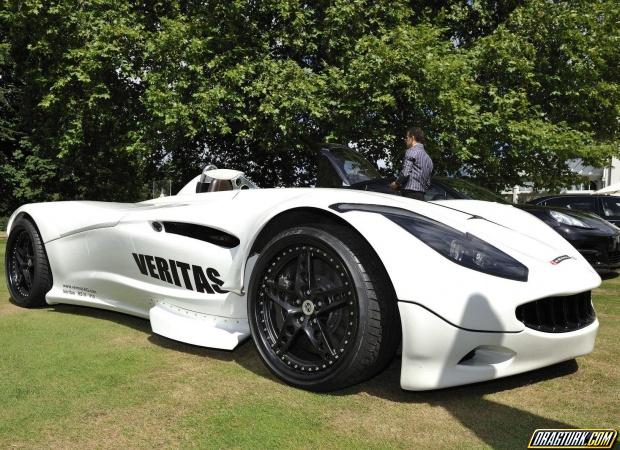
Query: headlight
pixel 565 219
pixel 461 248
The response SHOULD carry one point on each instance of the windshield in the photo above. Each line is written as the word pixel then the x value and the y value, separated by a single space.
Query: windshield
pixel 471 190
pixel 611 206
pixel 354 167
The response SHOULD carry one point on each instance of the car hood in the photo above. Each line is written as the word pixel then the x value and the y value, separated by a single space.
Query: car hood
pixel 591 220
pixel 514 229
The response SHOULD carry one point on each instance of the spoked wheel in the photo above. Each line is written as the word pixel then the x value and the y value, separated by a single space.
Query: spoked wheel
pixel 26 265
pixel 21 264
pixel 308 307
pixel 314 312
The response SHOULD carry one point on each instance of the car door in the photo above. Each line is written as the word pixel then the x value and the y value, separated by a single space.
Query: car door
pixel 341 167
pixel 159 252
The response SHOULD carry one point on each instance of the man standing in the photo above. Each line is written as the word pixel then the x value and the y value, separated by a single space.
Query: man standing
pixel 415 177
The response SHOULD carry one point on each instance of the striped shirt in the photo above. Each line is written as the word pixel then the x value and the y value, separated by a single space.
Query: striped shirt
pixel 418 167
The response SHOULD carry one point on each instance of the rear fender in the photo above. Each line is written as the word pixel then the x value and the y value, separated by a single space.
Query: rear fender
pixel 59 219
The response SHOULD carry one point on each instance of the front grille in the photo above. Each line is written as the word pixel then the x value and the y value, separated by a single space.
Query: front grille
pixel 558 314
pixel 591 257
pixel 614 257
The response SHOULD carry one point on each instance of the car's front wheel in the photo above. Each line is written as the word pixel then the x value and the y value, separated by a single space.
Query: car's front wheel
pixel 28 272
pixel 321 308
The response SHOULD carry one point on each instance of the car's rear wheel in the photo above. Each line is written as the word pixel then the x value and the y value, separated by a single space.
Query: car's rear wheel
pixel 321 308
pixel 28 272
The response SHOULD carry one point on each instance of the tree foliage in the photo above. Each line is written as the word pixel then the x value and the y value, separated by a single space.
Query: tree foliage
pixel 99 97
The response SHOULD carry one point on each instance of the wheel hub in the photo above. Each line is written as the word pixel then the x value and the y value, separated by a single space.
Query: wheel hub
pixel 307 307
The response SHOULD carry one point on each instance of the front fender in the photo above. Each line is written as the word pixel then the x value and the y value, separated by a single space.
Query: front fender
pixel 455 293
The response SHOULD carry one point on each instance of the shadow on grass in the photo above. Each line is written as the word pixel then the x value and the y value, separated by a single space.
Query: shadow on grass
pixel 245 354
pixel 496 424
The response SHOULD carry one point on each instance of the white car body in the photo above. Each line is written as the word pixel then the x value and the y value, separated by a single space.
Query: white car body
pixel 447 311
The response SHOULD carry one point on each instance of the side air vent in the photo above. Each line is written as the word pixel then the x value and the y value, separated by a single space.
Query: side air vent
pixel 202 233
pixel 558 314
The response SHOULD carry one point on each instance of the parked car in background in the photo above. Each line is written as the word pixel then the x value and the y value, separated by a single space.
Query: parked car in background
pixel 605 206
pixel 596 239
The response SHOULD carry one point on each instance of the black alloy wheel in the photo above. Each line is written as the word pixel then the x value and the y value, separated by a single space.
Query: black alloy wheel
pixel 307 307
pixel 21 264
pixel 27 269
pixel 314 312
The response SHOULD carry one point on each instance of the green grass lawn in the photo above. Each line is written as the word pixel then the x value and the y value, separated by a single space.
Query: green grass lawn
pixel 75 377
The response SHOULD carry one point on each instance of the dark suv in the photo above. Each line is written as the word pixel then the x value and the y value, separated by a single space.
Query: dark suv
pixel 605 206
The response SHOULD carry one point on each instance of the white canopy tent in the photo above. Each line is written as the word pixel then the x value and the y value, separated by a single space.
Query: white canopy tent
pixel 611 189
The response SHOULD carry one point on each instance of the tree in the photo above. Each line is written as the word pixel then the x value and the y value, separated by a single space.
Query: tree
pixel 76 111
pixel 105 96
pixel 549 92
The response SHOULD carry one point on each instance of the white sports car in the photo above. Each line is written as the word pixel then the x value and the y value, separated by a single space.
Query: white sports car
pixel 327 282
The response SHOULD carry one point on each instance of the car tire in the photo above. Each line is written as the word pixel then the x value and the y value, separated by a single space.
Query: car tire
pixel 327 327
pixel 28 272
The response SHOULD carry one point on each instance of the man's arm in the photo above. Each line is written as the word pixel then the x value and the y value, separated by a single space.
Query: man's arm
pixel 407 167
